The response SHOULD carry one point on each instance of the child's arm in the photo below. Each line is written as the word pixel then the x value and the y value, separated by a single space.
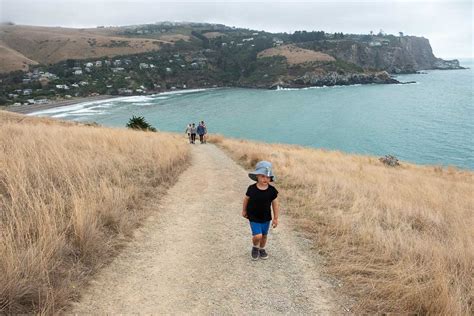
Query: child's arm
pixel 244 207
pixel 276 211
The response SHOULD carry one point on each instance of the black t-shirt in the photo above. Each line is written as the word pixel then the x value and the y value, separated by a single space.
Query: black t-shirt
pixel 259 205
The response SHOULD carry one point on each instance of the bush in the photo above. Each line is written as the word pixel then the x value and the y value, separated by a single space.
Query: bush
pixel 139 122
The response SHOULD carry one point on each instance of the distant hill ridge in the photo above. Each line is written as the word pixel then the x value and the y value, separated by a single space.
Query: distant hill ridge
pixel 21 46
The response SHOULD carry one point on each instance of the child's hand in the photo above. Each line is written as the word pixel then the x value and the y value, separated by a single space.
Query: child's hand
pixel 275 222
pixel 244 214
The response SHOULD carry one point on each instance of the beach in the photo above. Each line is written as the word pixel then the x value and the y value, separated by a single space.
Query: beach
pixel 30 108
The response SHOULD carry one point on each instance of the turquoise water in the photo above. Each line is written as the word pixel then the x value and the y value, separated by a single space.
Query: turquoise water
pixel 429 122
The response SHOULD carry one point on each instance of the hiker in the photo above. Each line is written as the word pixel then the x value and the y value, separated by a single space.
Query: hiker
pixel 188 131
pixel 193 133
pixel 260 199
pixel 201 130
pixel 205 131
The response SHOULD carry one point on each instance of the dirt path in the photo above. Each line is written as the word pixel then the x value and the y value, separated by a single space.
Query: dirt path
pixel 193 256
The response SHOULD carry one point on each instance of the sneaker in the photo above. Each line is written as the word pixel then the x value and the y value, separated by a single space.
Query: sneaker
pixel 263 254
pixel 254 253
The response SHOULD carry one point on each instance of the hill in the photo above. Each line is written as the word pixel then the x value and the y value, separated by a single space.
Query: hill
pixel 150 58
pixel 62 218
pixel 49 45
pixel 400 240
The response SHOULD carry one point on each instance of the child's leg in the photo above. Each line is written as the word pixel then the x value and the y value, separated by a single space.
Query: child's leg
pixel 265 228
pixel 263 241
pixel 257 240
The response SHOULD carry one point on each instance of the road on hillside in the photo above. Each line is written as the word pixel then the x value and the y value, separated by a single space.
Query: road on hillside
pixel 192 256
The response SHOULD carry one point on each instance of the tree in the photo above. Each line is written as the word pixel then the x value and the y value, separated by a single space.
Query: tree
pixel 139 122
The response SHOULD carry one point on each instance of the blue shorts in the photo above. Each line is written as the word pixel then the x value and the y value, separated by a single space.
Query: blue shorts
pixel 259 228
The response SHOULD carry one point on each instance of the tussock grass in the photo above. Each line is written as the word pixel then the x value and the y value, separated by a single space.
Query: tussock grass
pixel 400 240
pixel 69 198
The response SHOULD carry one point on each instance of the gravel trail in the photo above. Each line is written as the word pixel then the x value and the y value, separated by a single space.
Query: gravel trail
pixel 193 256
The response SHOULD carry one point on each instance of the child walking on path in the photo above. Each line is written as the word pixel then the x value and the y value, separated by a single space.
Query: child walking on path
pixel 259 201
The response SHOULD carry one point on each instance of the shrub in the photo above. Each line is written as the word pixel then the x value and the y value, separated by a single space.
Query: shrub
pixel 139 122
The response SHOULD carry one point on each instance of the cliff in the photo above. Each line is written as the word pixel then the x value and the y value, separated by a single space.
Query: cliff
pixel 405 54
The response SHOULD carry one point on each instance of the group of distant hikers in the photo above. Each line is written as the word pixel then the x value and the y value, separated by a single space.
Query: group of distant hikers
pixel 201 130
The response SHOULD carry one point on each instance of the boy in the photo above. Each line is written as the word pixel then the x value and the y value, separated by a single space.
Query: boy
pixel 259 200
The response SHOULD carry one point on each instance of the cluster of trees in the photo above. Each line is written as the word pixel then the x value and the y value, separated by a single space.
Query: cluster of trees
pixel 304 36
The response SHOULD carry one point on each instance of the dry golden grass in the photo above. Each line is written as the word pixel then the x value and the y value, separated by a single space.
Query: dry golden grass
pixel 53 44
pixel 69 198
pixel 12 60
pixel 296 55
pixel 401 240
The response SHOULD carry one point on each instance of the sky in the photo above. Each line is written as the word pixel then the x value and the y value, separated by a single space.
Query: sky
pixel 446 23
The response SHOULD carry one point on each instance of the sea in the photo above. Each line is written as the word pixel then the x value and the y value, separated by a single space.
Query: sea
pixel 429 122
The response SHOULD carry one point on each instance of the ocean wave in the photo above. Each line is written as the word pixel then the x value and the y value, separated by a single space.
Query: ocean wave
pixel 317 87
pixel 183 91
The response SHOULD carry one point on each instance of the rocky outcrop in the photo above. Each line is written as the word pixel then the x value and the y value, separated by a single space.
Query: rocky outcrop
pixel 336 79
pixel 405 54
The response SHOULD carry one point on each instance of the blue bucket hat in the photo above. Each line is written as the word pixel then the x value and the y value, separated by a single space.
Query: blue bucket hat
pixel 262 167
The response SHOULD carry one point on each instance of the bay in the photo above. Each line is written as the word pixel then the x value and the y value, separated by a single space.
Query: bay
pixel 428 122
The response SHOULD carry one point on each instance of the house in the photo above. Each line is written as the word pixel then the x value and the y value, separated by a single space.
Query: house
pixel 62 87
pixel 247 39
pixel 42 101
pixel 117 69
pixel 27 91
pixel 143 66
pixel 75 85
pixel 375 44
pixel 124 91
pixel 169 70
pixel 107 63
pixel 98 63
pixel 254 34
pixel 78 72
pixel 89 65
pixel 84 83
pixel 117 62
pixel 27 80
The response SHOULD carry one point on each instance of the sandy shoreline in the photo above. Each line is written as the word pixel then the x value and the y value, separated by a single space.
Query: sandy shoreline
pixel 30 108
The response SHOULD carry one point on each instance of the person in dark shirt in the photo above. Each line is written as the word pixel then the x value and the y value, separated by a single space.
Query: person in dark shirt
pixel 259 201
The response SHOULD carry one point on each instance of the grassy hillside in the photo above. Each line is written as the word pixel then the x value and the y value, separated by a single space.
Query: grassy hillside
pixel 49 45
pixel 70 195
pixel 400 240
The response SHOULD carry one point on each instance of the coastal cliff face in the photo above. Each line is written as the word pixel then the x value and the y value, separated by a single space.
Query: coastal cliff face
pixel 405 54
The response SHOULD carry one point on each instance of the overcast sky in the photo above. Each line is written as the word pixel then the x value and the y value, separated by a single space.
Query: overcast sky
pixel 446 23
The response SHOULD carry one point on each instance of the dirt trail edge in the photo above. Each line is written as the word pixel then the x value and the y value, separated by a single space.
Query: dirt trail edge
pixel 193 256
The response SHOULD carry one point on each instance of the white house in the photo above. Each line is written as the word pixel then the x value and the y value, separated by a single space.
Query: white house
pixel 247 39
pixel 117 69
pixel 169 70
pixel 144 66
pixel 78 72
pixel 98 63
pixel 62 87
pixel 89 65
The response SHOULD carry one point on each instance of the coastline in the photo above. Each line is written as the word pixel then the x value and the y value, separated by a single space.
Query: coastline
pixel 30 108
